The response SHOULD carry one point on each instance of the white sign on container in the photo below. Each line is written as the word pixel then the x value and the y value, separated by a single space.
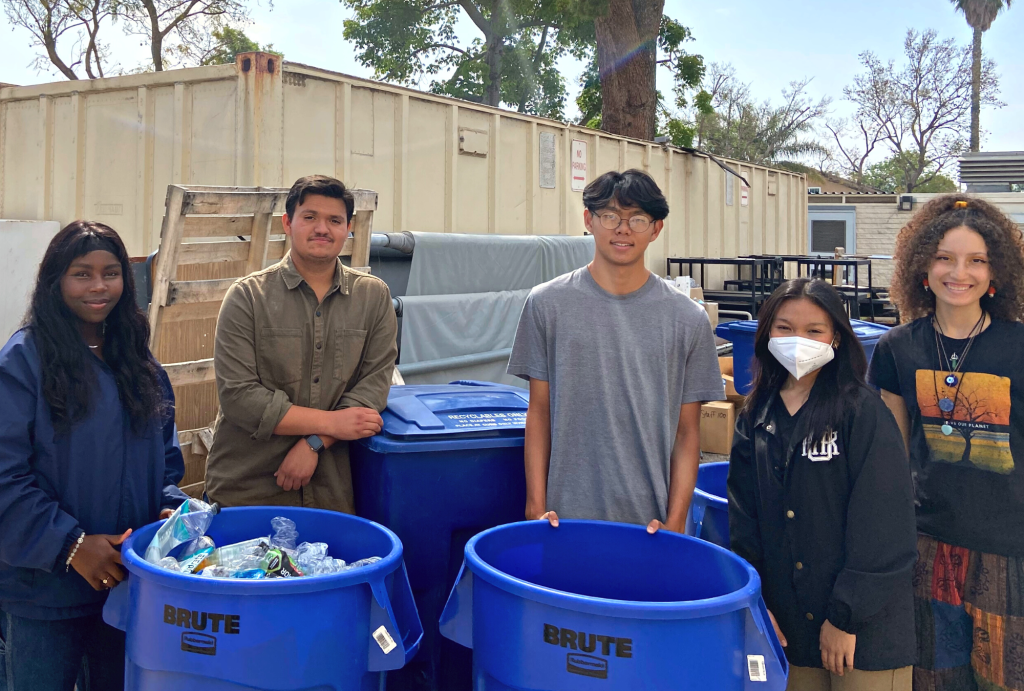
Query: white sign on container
pixel 578 169
pixel 547 160
pixel 22 246
pixel 744 194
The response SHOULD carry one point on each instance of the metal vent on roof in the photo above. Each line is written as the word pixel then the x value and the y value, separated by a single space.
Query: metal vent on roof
pixel 996 167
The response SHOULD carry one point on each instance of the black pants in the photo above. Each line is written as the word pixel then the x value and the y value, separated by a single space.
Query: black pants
pixel 52 655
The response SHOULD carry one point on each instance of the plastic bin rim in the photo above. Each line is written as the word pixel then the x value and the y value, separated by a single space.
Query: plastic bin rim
pixel 137 564
pixel 711 498
pixel 707 496
pixel 741 598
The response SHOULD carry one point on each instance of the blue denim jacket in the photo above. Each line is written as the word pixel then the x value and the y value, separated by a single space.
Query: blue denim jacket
pixel 100 477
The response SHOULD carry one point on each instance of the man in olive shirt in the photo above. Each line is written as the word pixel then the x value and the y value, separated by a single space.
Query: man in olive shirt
pixel 304 356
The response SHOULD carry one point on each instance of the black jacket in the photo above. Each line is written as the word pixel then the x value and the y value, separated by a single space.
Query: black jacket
pixel 830 528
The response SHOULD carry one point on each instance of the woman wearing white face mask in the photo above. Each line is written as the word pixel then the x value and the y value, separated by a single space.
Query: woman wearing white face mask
pixel 821 499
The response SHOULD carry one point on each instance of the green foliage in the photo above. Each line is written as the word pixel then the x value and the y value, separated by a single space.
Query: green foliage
pixel 725 120
pixel 229 43
pixel 981 13
pixel 688 70
pixel 680 133
pixel 589 101
pixel 407 41
pixel 892 175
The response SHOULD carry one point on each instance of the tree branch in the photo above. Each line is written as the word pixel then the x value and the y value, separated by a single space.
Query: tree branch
pixel 434 46
pixel 478 18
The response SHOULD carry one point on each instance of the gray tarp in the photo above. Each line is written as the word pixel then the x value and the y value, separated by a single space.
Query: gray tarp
pixel 464 299
pixel 452 264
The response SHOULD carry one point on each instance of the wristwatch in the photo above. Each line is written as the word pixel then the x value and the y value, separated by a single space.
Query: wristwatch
pixel 315 443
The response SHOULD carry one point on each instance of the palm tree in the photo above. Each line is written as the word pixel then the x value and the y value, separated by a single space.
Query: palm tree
pixel 980 14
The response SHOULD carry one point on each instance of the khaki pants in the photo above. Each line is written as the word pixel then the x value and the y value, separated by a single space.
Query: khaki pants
pixel 811 679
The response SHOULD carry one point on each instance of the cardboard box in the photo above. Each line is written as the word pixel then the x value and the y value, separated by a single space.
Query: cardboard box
pixel 731 394
pixel 717 424
pixel 696 294
pixel 712 309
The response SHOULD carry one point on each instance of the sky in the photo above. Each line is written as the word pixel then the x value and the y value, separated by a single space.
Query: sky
pixel 769 42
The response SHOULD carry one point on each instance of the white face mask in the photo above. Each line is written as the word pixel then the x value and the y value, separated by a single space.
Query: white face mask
pixel 800 355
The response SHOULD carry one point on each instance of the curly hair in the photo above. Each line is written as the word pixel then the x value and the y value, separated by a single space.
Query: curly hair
pixel 68 381
pixel 919 241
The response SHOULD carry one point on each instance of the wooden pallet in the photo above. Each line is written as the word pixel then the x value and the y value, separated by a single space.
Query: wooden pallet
pixel 210 237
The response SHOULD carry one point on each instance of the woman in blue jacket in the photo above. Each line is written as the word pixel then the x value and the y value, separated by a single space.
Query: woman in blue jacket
pixel 88 452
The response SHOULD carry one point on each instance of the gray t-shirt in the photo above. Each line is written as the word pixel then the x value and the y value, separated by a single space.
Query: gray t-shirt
pixel 619 367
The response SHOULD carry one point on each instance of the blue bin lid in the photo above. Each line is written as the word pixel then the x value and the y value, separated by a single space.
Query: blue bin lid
pixel 726 329
pixel 866 331
pixel 449 413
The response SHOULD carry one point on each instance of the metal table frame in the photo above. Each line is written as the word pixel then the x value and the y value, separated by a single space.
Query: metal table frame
pixel 815 266
pixel 763 272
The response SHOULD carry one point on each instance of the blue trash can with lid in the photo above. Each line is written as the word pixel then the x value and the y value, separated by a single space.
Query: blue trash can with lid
pixel 337 632
pixel 742 333
pixel 594 605
pixel 447 465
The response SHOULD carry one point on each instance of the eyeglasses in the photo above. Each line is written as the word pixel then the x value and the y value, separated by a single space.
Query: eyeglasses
pixel 637 224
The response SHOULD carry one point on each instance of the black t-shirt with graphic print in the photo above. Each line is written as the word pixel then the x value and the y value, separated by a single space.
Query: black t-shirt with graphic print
pixel 969 483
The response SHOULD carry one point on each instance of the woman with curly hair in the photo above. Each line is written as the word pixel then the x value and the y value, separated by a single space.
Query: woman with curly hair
pixel 953 376
pixel 88 451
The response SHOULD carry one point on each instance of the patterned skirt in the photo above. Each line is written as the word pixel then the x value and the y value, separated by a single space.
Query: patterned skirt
pixel 970 619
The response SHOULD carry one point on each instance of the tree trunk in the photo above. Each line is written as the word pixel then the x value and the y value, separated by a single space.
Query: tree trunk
pixel 966 434
pixel 530 80
pixel 492 90
pixel 51 52
pixel 976 92
pixel 626 59
pixel 157 50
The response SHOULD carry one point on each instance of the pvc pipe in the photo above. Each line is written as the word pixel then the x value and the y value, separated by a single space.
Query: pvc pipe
pixel 430 366
pixel 403 242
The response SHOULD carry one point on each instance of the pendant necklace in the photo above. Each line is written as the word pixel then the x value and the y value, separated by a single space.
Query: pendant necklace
pixel 954 377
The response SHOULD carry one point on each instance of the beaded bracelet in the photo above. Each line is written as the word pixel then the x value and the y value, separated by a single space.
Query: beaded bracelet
pixel 74 550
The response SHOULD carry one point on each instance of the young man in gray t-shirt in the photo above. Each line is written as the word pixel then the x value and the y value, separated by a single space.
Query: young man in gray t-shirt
pixel 618 362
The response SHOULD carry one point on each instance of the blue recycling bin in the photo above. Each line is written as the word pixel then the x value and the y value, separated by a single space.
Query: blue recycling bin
pixel 593 605
pixel 338 632
pixel 447 465
pixel 741 333
pixel 708 518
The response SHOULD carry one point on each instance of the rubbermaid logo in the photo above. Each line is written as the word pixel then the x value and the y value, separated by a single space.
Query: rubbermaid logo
pixel 587 665
pixel 199 643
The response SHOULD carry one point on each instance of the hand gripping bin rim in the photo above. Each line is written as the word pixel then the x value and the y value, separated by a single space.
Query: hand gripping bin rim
pixel 456 621
pixel 393 612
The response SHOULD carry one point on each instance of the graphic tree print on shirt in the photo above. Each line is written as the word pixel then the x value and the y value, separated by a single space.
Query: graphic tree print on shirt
pixel 980 420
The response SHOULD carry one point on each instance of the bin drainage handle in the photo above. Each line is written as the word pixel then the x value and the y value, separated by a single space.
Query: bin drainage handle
pixel 761 641
pixel 697 514
pixel 395 613
pixel 118 605
pixel 456 622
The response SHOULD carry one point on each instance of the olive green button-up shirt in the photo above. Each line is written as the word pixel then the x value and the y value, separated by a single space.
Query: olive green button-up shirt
pixel 276 346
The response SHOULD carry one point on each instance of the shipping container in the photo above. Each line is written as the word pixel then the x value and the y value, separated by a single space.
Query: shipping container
pixel 106 150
